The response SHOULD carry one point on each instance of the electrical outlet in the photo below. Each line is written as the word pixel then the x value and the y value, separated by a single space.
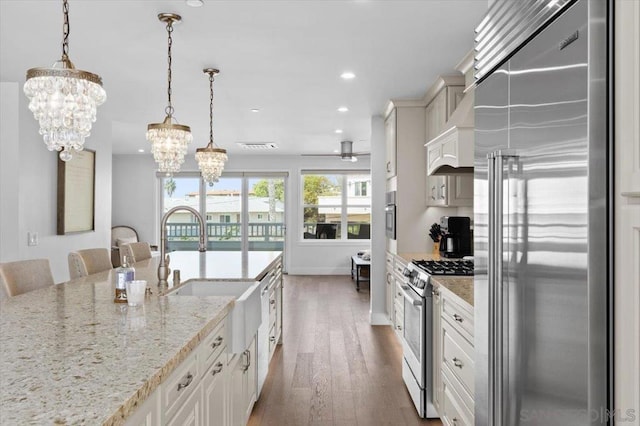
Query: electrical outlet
pixel 32 238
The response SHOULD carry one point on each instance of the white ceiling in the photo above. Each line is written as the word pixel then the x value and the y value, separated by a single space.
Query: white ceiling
pixel 283 57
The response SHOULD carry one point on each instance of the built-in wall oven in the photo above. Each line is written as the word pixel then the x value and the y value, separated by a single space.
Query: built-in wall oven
pixel 390 214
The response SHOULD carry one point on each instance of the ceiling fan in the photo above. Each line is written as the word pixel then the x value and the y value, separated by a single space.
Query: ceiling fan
pixel 346 153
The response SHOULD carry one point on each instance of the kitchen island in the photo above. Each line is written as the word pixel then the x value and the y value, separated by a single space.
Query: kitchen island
pixel 69 355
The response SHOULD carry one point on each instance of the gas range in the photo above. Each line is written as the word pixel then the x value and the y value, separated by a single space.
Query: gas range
pixel 446 267
pixel 418 273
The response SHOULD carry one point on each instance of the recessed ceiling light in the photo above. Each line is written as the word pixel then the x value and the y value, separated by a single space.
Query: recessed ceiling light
pixel 255 110
pixel 343 109
pixel 194 3
pixel 335 151
pixel 338 131
pixel 347 75
pixel 141 150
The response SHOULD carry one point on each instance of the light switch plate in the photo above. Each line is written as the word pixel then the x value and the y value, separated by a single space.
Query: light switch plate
pixel 32 238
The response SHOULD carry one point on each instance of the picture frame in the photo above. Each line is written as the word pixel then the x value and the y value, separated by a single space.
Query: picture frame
pixel 76 193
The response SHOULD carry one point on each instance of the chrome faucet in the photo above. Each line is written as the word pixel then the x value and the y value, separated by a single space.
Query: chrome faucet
pixel 163 268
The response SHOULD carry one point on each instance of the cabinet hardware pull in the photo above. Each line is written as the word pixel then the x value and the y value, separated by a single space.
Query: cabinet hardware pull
pixel 399 327
pixel 457 363
pixel 217 342
pixel 273 302
pixel 454 421
pixel 187 382
pixel 272 338
pixel 457 318
pixel 217 370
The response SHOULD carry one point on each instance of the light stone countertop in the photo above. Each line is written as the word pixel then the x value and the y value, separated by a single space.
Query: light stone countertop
pixel 458 285
pixel 69 355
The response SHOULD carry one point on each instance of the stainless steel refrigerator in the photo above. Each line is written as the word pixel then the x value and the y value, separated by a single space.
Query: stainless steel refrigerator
pixel 541 224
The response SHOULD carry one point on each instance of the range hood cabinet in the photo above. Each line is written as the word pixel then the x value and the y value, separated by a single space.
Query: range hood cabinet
pixel 451 152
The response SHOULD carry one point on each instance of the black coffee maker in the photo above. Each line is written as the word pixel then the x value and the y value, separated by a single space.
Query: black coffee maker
pixel 456 240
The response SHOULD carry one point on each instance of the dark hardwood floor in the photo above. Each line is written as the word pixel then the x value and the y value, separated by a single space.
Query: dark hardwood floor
pixel 333 368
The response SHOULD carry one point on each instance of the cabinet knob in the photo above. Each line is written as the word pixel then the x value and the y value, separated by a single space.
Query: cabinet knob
pixel 217 370
pixel 457 363
pixel 217 342
pixel 272 339
pixel 186 383
pixel 458 318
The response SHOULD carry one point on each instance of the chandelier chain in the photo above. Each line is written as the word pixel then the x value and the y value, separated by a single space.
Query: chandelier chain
pixel 169 109
pixel 211 108
pixel 66 28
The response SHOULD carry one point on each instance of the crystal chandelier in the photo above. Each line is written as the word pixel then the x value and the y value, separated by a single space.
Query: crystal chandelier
pixel 211 159
pixel 169 140
pixel 64 100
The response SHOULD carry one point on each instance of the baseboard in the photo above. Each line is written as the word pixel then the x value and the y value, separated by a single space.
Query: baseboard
pixel 379 318
pixel 319 271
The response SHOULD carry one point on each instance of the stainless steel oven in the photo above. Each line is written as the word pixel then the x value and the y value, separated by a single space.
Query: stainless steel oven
pixel 390 214
pixel 416 340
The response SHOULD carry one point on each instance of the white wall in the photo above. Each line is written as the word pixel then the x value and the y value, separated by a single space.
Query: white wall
pixel 135 204
pixel 29 182
pixel 378 180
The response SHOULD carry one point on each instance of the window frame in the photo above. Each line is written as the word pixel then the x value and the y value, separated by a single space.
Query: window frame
pixel 343 206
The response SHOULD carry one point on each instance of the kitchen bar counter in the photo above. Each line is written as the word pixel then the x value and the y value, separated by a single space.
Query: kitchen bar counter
pixel 458 285
pixel 69 355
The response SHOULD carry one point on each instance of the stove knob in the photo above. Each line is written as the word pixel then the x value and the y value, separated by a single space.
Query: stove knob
pixel 421 283
pixel 406 272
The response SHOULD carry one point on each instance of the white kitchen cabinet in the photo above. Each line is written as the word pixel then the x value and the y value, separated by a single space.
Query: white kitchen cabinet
pixel 390 144
pixel 390 287
pixel 454 361
pixel 449 91
pixel 449 190
pixel 409 175
pixel 214 394
pixel 242 385
pixel 189 410
pixel 149 413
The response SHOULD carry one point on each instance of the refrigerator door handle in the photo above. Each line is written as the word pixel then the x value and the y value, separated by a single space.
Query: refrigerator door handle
pixel 496 164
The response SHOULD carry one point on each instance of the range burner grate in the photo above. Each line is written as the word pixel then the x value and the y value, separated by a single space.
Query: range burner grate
pixel 446 267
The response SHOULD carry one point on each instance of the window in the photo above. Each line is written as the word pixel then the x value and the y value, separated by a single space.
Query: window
pixel 336 205
pixel 243 211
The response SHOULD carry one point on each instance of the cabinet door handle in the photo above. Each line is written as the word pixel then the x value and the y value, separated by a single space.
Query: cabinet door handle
pixel 388 166
pixel 454 421
pixel 273 302
pixel 433 193
pixel 457 363
pixel 458 318
pixel 399 327
pixel 186 383
pixel 217 342
pixel 443 192
pixel 217 370
pixel 272 338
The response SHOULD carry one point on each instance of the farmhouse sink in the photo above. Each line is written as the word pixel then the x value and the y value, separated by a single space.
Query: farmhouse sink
pixel 246 315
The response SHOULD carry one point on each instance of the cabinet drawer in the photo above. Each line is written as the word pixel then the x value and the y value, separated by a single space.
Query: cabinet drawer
pixel 457 316
pixel 180 384
pixel 399 266
pixel 398 296
pixel 213 345
pixel 457 355
pixel 454 411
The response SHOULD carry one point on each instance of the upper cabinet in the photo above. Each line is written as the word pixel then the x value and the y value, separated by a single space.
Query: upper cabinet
pixel 391 143
pixel 450 123
pixel 448 93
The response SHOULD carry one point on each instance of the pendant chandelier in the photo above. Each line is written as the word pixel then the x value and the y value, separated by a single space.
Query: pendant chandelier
pixel 211 159
pixel 64 99
pixel 169 141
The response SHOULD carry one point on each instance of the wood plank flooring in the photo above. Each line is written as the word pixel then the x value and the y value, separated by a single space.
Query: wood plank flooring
pixel 334 368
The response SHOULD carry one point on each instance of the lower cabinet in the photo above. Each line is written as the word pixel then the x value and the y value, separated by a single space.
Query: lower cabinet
pixel 209 388
pixel 242 385
pixel 454 360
